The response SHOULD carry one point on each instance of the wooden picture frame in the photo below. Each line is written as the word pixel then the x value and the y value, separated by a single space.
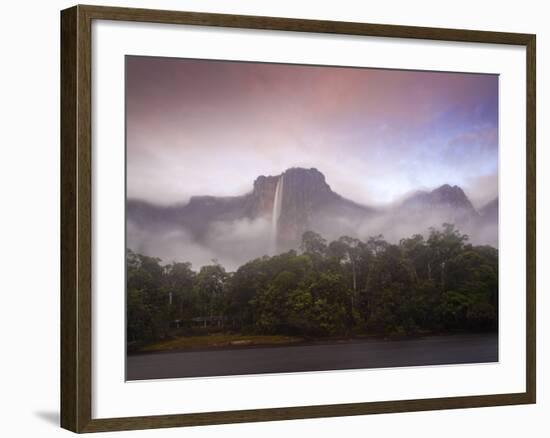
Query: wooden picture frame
pixel 76 217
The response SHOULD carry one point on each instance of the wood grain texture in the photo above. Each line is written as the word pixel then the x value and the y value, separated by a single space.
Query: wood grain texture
pixel 69 329
pixel 76 251
pixel 338 410
pixel 76 219
pixel 301 25
pixel 531 130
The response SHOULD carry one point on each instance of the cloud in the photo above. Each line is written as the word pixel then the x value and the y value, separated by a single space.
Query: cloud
pixel 482 189
pixel 211 127
pixel 230 243
pixel 233 243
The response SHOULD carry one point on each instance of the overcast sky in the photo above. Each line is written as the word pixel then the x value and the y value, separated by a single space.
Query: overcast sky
pixel 199 127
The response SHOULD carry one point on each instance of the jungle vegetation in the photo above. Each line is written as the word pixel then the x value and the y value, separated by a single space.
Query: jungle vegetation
pixel 347 287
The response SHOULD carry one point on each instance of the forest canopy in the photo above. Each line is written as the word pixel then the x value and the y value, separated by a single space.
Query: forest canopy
pixel 347 287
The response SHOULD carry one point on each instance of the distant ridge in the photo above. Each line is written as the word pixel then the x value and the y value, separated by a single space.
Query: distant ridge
pixel 307 202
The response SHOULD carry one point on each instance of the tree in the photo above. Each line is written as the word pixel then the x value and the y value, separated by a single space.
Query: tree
pixel 272 303
pixel 390 286
pixel 243 287
pixel 179 279
pixel 347 251
pixel 444 245
pixel 442 283
pixel 147 305
pixel 313 244
pixel 416 250
pixel 330 297
pixel 210 287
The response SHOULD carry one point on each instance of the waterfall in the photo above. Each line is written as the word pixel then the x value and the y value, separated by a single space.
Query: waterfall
pixel 276 214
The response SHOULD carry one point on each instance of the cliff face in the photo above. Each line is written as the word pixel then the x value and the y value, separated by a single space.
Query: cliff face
pixel 304 194
pixel 260 201
pixel 443 204
pixel 307 202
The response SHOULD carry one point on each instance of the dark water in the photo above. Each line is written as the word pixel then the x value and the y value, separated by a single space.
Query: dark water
pixel 434 350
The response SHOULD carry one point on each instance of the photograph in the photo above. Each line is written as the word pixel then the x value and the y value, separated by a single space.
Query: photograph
pixel 289 218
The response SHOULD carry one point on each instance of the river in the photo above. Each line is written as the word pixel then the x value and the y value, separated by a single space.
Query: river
pixel 432 350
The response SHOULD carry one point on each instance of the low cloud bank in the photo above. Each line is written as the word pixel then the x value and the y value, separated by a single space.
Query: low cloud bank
pixel 233 243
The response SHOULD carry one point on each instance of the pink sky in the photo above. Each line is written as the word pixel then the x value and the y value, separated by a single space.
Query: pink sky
pixel 197 127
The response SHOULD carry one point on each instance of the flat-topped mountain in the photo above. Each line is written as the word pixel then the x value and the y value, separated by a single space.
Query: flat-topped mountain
pixel 308 203
pixel 280 208
pixel 306 200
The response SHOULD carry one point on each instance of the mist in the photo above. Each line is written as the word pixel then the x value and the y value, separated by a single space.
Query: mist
pixel 236 242
pixel 231 243
pixel 200 127
pixel 211 128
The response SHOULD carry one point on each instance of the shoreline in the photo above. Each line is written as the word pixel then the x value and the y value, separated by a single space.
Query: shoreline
pixel 316 356
pixel 372 339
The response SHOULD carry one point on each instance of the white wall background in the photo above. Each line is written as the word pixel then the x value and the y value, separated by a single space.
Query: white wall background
pixel 29 219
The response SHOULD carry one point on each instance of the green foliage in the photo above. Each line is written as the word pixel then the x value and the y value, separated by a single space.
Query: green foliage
pixel 147 303
pixel 347 286
pixel 313 244
pixel 210 285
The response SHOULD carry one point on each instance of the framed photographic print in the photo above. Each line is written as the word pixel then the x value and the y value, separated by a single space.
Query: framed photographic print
pixel 270 218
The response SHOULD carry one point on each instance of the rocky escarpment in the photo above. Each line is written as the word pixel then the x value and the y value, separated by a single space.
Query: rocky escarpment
pixel 307 202
pixel 444 204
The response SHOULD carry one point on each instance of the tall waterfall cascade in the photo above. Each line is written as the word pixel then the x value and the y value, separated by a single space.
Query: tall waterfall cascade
pixel 276 214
